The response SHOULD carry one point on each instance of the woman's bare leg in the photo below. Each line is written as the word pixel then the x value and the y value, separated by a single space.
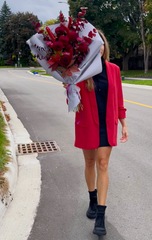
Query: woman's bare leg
pixel 90 175
pixel 102 160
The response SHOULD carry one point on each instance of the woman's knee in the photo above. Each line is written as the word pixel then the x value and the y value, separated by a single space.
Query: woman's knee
pixel 102 165
pixel 89 162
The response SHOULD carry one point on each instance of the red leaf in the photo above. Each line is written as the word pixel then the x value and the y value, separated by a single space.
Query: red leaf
pixel 64 74
pixel 68 72
pixel 74 69
pixel 51 61
pixel 61 69
pixel 54 66
pixel 72 61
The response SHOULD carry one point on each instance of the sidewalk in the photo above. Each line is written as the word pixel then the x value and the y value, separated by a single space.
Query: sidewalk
pixel 137 79
pixel 25 183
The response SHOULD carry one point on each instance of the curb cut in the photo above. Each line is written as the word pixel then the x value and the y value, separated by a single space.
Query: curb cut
pixel 17 220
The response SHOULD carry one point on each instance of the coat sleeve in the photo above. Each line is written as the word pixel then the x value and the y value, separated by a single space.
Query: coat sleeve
pixel 121 109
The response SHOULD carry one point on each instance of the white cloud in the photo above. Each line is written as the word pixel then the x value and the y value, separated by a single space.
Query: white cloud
pixel 45 10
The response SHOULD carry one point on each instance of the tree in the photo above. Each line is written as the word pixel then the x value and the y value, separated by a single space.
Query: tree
pixel 146 28
pixel 16 32
pixel 118 20
pixel 5 13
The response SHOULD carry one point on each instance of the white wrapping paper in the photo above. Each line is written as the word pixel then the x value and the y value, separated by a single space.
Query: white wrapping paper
pixel 89 67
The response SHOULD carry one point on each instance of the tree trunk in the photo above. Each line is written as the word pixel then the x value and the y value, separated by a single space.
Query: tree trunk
pixel 146 60
pixel 146 49
pixel 126 59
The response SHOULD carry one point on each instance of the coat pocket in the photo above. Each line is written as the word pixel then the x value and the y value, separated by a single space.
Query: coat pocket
pixel 81 124
pixel 116 121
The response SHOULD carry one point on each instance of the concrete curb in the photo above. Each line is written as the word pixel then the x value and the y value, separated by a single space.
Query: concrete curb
pixel 136 86
pixel 140 79
pixel 25 184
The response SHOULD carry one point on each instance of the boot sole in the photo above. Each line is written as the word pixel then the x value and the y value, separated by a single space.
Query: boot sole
pixel 99 233
pixel 91 216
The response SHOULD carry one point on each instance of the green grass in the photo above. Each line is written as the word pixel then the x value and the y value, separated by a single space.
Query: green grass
pixel 136 73
pixel 41 72
pixel 4 142
pixel 7 66
pixel 142 82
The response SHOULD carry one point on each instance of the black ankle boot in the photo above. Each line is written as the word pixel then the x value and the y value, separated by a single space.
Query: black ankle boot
pixel 99 227
pixel 92 210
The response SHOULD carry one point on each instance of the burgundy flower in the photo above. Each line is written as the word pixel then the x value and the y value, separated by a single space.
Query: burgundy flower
pixel 81 40
pixel 88 40
pixel 65 59
pixel 64 40
pixel 83 47
pixel 57 46
pixel 61 17
pixel 73 36
pixel 80 59
pixel 50 44
pixel 59 31
pixel 68 47
pixel 94 30
pixel 46 38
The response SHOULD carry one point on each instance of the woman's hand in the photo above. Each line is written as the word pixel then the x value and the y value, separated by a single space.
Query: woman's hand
pixel 125 134
pixel 65 85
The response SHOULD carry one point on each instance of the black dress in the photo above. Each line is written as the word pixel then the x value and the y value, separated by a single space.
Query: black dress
pixel 101 91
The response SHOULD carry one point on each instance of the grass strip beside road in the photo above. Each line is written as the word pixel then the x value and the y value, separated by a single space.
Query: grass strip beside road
pixel 141 82
pixel 4 142
pixel 136 73
pixel 41 72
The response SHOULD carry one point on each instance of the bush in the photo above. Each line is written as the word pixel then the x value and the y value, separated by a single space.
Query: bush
pixel 2 63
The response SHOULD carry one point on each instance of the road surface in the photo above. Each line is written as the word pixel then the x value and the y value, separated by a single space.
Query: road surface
pixel 40 105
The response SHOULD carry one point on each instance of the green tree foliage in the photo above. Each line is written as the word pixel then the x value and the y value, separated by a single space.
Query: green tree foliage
pixel 118 19
pixel 16 32
pixel 5 13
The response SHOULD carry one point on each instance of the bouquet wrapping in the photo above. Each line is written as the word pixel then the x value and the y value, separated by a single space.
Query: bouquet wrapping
pixel 69 56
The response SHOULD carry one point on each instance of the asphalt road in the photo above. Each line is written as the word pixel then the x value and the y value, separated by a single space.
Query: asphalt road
pixel 40 105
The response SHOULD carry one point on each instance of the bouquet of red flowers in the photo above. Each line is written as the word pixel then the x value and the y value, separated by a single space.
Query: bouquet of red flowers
pixel 69 51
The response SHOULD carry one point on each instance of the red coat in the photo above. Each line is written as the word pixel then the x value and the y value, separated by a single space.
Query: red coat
pixel 87 120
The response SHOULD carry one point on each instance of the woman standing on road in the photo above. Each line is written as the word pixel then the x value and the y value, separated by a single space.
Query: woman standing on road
pixel 96 131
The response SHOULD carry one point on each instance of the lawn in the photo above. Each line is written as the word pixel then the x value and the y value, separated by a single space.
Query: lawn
pixel 41 72
pixel 7 66
pixel 142 82
pixel 136 73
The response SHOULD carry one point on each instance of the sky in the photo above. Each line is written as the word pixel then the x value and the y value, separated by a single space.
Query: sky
pixel 44 9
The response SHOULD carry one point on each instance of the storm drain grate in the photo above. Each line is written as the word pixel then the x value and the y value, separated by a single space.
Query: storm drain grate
pixel 37 147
